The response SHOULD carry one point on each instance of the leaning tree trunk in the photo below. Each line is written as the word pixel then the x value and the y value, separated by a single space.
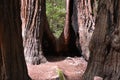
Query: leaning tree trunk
pixel 83 24
pixel 66 43
pixel 105 43
pixel 33 17
pixel 48 40
pixel 12 62
pixel 63 40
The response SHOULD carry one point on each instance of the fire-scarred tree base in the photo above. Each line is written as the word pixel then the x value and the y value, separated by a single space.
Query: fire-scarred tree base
pixel 39 40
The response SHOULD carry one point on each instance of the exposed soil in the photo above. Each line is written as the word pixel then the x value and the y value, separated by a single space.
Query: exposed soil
pixel 72 67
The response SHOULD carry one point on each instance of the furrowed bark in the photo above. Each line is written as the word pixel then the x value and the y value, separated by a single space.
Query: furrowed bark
pixel 105 43
pixel 33 31
pixel 12 62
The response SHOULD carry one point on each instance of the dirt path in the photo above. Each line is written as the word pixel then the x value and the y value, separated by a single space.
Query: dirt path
pixel 73 69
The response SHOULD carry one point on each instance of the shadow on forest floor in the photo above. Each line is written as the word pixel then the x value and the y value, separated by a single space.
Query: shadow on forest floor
pixel 55 58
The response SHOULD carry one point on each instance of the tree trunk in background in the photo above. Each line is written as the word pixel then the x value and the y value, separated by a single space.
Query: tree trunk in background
pixel 83 24
pixel 105 43
pixel 33 17
pixel 66 44
pixel 12 62
pixel 48 40
pixel 63 40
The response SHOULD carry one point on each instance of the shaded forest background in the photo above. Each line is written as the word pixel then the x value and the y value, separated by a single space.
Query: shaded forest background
pixel 55 11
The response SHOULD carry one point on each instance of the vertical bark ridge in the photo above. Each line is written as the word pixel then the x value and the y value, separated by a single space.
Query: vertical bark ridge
pixel 34 27
pixel 85 25
pixel 105 43
pixel 67 22
pixel 11 49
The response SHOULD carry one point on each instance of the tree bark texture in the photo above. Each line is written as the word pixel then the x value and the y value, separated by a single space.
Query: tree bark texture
pixel 66 43
pixel 83 24
pixel 33 18
pixel 12 62
pixel 105 43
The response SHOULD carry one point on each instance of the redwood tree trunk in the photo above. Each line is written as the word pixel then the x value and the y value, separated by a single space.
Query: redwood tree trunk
pixel 12 62
pixel 83 24
pixel 66 44
pixel 48 40
pixel 33 17
pixel 105 43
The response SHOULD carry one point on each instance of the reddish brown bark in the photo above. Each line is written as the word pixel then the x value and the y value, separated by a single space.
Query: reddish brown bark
pixel 33 18
pixel 105 43
pixel 12 62
pixel 63 40
pixel 67 22
pixel 65 45
pixel 85 22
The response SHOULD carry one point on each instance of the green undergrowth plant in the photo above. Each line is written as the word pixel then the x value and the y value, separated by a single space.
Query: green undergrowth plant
pixel 60 74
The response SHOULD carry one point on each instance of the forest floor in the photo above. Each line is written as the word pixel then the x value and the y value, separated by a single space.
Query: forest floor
pixel 72 68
